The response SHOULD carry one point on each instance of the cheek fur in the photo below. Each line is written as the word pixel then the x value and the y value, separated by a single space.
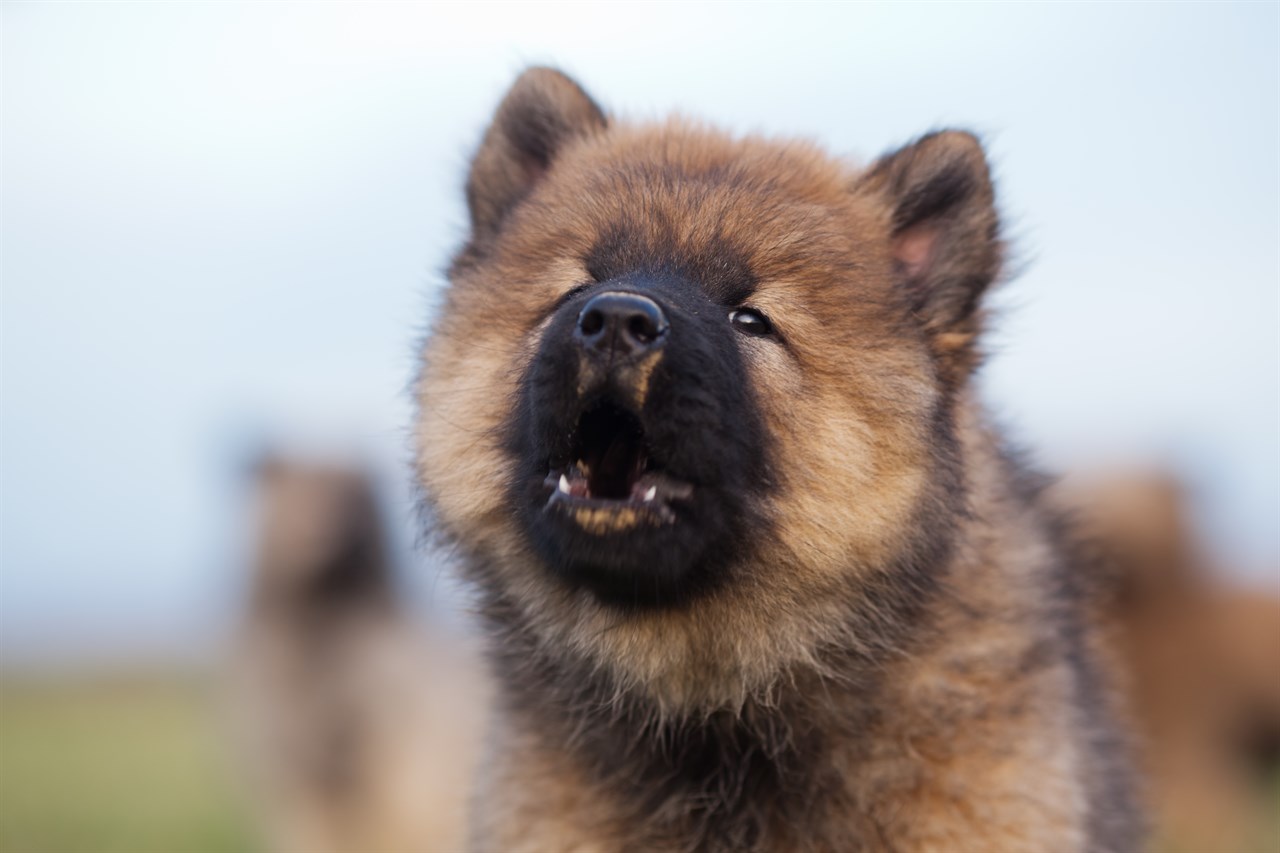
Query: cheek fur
pixel 466 393
pixel 770 369
pixel 852 465
pixel 468 386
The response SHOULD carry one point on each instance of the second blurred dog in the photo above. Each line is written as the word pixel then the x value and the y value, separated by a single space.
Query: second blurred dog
pixel 1202 659
pixel 357 727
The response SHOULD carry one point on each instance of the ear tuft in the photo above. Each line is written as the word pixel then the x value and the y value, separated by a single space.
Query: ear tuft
pixel 944 232
pixel 542 112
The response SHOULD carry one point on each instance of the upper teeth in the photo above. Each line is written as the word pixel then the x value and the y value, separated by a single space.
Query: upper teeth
pixel 564 484
pixel 651 494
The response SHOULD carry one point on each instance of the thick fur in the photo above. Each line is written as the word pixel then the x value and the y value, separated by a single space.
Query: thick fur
pixel 863 629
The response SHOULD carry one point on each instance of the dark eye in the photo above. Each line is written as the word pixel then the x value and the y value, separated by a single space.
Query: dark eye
pixel 750 322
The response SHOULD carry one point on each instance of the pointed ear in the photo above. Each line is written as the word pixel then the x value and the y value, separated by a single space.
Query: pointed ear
pixel 542 112
pixel 945 235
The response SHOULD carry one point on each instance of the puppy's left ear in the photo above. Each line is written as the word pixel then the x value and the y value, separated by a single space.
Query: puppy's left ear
pixel 944 235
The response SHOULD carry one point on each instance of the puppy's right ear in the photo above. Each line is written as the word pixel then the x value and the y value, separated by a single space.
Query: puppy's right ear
pixel 542 112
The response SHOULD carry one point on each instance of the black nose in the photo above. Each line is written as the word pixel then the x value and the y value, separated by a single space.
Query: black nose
pixel 621 324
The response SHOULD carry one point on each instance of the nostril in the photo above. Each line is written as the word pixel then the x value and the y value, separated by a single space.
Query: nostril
pixel 642 328
pixel 591 322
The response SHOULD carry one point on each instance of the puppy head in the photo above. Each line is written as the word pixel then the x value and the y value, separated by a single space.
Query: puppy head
pixel 687 406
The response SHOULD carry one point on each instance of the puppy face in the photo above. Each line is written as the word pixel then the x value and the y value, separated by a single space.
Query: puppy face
pixel 686 407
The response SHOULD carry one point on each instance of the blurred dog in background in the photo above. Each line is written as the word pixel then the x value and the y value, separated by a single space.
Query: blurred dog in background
pixel 356 724
pixel 1201 658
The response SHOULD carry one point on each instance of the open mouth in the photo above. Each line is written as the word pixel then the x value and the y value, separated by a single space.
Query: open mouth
pixel 614 483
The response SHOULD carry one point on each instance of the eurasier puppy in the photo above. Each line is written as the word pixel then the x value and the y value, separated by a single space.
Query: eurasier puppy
pixel 758 575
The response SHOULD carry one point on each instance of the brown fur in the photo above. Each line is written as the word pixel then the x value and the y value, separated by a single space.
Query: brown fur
pixel 896 661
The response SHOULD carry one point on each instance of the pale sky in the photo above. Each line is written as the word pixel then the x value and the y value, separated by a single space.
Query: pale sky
pixel 225 222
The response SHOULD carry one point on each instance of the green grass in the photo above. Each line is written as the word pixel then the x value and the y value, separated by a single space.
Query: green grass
pixel 121 766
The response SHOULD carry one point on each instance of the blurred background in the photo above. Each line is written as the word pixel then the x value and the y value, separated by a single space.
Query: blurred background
pixel 224 227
